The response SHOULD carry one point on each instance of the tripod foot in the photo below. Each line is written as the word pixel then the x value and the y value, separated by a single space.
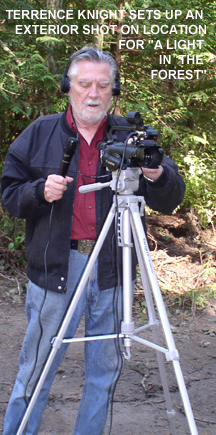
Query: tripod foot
pixel 127 344
pixel 171 418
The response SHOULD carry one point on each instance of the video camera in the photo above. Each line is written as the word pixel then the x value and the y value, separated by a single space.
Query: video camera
pixel 139 150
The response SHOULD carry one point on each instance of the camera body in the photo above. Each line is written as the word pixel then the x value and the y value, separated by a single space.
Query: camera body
pixel 139 150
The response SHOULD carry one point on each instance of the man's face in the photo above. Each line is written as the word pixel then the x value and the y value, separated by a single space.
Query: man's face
pixel 91 91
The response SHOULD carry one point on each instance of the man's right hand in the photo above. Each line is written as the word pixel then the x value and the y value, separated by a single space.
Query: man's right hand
pixel 55 186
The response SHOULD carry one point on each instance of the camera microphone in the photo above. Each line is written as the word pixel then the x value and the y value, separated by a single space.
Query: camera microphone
pixel 69 150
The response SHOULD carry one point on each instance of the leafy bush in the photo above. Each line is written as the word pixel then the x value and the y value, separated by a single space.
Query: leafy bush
pixel 12 236
pixel 200 176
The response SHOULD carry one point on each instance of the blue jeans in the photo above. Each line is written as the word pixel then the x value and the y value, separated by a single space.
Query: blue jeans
pixel 44 314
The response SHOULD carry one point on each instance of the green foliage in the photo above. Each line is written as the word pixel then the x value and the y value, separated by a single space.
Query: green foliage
pixel 196 298
pixel 12 230
pixel 12 248
pixel 200 179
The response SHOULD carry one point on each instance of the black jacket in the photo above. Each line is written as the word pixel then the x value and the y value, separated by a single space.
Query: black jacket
pixel 35 154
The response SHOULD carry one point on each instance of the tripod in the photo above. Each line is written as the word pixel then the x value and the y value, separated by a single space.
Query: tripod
pixel 130 208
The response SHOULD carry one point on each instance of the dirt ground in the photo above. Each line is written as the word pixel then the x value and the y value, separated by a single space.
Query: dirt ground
pixel 139 402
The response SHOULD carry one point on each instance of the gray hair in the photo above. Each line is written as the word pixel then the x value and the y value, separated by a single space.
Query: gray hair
pixel 94 55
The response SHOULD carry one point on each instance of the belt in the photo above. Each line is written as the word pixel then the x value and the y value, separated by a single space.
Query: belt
pixel 83 246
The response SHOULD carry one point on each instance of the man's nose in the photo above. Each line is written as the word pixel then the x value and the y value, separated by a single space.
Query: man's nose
pixel 93 92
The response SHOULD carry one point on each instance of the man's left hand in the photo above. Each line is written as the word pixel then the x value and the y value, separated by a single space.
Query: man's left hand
pixel 152 174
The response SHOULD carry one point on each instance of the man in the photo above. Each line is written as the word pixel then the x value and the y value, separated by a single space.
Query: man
pixel 61 228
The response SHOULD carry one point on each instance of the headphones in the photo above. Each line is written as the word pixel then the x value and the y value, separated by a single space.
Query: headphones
pixel 65 82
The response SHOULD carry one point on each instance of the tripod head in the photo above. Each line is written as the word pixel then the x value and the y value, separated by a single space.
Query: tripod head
pixel 125 183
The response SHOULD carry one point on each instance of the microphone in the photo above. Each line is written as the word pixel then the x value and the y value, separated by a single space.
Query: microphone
pixel 69 150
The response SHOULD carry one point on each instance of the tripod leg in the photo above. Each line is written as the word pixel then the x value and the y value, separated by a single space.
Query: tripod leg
pixel 58 339
pixel 154 325
pixel 171 354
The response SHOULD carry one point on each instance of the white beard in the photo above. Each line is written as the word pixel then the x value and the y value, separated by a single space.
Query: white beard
pixel 88 113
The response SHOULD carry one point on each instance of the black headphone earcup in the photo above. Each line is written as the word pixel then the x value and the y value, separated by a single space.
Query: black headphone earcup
pixel 65 82
pixel 117 86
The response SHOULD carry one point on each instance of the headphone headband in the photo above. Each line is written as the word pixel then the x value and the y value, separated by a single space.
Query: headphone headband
pixel 65 82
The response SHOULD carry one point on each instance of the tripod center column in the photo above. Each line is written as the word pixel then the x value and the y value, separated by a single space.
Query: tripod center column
pixel 127 324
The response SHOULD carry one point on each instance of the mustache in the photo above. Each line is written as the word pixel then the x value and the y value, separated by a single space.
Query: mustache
pixel 92 103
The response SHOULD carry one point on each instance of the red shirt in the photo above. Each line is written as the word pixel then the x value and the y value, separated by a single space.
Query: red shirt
pixel 84 211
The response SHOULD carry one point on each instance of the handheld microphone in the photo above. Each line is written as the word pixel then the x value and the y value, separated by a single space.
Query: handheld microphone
pixel 69 150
